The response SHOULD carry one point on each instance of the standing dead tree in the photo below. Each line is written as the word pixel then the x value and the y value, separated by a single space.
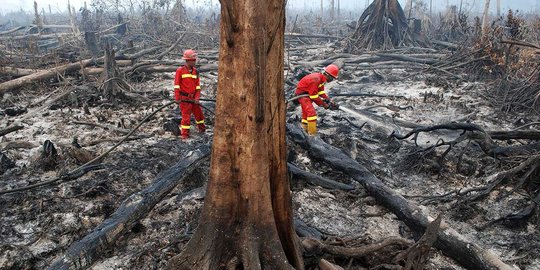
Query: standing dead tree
pixel 383 25
pixel 111 84
pixel 246 221
pixel 453 25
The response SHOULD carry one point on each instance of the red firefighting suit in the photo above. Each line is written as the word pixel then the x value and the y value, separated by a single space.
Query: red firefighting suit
pixel 313 85
pixel 187 87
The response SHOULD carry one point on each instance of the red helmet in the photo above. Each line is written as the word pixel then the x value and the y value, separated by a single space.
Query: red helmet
pixel 332 70
pixel 190 55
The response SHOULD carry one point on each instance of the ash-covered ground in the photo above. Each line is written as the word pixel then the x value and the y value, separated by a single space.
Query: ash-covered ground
pixel 38 225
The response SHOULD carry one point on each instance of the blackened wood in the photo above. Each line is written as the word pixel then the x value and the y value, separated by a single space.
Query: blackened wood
pixel 449 241
pixel 515 135
pixel 84 253
pixel 317 180
pixel 10 129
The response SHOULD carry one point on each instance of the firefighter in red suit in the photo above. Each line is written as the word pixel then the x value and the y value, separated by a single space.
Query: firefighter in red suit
pixel 187 90
pixel 313 86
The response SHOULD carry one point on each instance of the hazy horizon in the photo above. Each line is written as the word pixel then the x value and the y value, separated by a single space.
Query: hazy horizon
pixel 308 5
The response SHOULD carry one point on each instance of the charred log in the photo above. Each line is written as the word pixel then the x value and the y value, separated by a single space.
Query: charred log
pixel 317 180
pixel 43 75
pixel 83 253
pixel 10 129
pixel 449 241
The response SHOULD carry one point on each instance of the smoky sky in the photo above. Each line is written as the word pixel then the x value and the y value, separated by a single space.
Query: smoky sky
pixel 526 6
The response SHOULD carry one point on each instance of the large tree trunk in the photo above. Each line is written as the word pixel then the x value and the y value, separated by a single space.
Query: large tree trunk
pixel 246 221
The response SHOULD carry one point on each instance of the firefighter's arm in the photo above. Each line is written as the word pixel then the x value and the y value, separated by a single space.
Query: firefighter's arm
pixel 314 95
pixel 177 79
pixel 331 104
pixel 322 93
pixel 198 89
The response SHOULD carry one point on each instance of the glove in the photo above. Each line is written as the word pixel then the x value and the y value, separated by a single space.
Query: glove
pixel 196 101
pixel 326 106
pixel 333 106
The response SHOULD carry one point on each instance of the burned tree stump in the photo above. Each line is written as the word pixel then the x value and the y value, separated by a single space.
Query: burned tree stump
pixel 111 84
pixel 383 25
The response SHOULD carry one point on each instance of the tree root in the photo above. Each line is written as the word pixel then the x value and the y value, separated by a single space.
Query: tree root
pixel 311 244
pixel 416 256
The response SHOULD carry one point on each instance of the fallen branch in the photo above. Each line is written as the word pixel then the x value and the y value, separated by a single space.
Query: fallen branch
pixel 311 244
pixel 523 214
pixel 43 75
pixel 294 35
pixel 84 253
pixel 365 95
pixel 10 129
pixel 496 179
pixel 142 53
pixel 520 43
pixel 450 126
pixel 303 230
pixel 105 126
pixel 12 30
pixel 445 44
pixel 134 138
pixel 326 265
pixel 159 56
pixel 18 72
pixel 37 36
pixel 449 241
pixel 17 126
pixel 515 135
pixel 406 58
pixel 317 180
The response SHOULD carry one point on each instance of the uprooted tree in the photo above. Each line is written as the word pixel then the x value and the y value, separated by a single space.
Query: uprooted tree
pixel 246 221
pixel 383 25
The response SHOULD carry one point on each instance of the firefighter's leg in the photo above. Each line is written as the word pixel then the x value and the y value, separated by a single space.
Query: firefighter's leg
pixel 185 124
pixel 311 117
pixel 304 120
pixel 304 105
pixel 199 117
pixel 312 127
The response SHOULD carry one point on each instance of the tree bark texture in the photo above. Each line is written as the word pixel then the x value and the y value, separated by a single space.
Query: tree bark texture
pixel 246 221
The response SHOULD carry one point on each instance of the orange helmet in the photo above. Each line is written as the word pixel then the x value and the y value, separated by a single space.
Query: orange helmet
pixel 332 70
pixel 190 55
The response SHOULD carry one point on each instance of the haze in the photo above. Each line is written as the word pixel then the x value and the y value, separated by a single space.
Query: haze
pixel 526 6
